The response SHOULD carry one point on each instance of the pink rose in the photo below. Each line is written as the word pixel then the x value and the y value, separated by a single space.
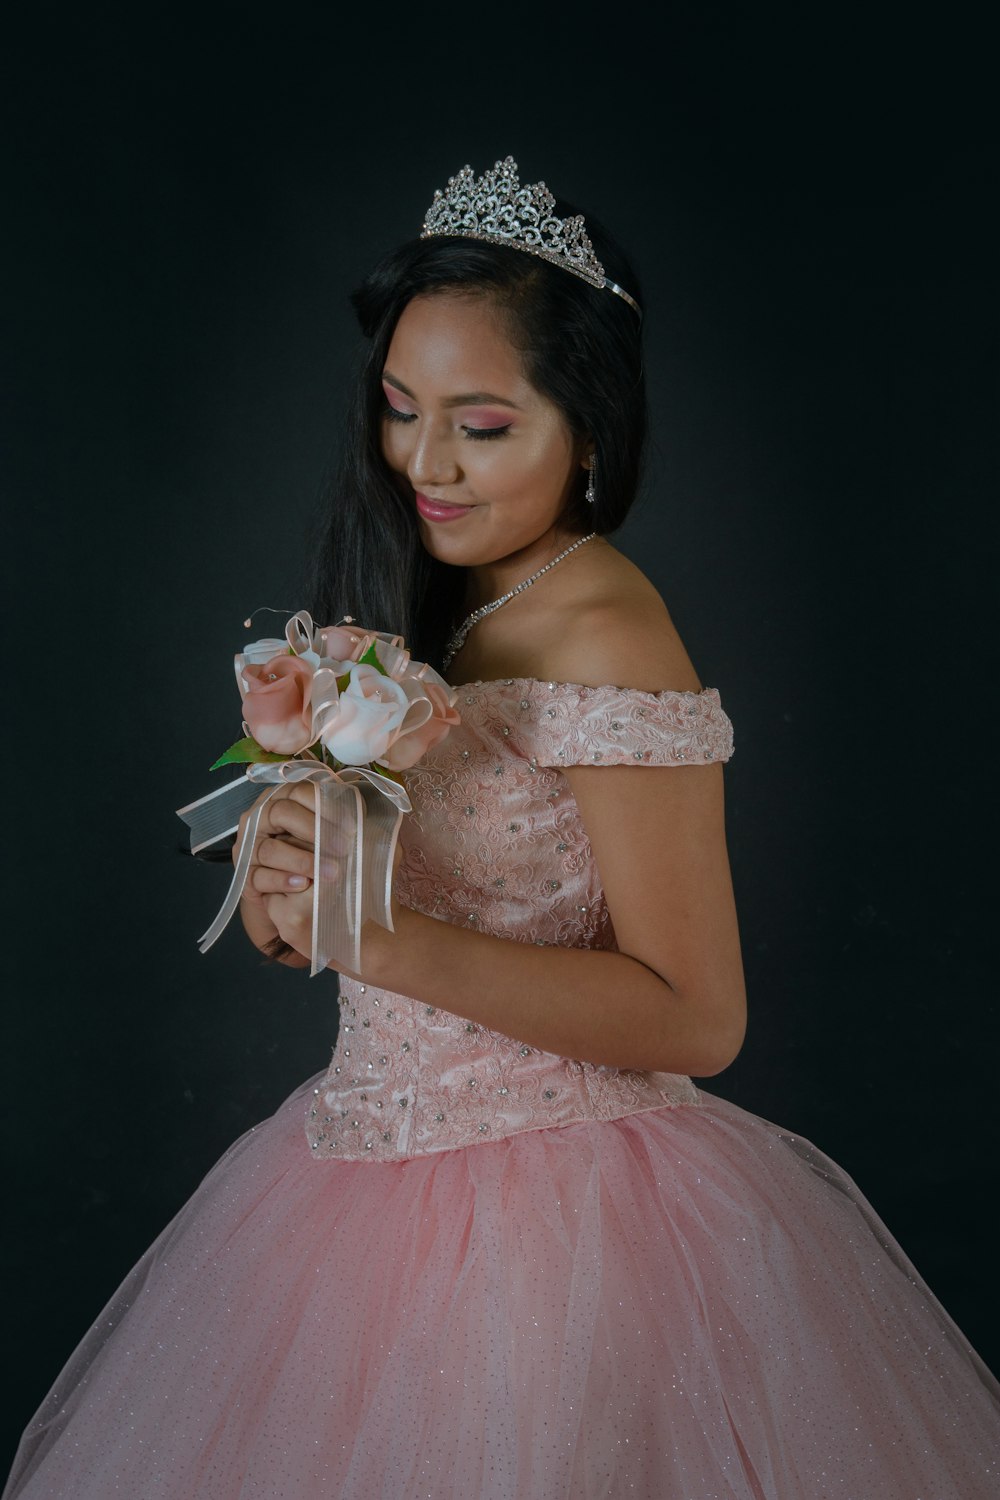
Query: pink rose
pixel 412 744
pixel 276 707
pixel 341 642
pixel 367 718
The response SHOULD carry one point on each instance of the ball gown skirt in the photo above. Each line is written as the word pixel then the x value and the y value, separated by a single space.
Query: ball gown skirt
pixel 484 1272
pixel 684 1304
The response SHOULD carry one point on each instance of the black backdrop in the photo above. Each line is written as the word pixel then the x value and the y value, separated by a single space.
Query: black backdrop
pixel 809 203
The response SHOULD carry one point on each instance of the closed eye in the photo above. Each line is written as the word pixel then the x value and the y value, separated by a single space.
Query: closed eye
pixel 477 434
pixel 481 433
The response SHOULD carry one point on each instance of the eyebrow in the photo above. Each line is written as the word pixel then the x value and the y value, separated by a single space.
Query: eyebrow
pixel 470 398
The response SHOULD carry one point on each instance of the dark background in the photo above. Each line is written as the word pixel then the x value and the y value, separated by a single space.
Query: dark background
pixel 809 202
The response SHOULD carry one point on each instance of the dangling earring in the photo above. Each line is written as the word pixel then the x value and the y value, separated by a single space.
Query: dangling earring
pixel 591 492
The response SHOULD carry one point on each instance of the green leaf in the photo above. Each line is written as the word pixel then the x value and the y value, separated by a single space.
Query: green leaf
pixel 370 659
pixel 392 775
pixel 248 751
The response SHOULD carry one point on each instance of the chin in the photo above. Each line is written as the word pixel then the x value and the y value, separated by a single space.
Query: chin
pixel 439 544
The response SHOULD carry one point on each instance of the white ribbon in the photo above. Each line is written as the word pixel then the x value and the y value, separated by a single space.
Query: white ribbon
pixel 358 813
pixel 358 810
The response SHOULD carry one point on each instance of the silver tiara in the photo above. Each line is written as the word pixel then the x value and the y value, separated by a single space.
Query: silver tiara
pixel 496 208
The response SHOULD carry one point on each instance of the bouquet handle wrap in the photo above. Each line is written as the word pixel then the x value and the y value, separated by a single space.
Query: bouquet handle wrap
pixel 357 819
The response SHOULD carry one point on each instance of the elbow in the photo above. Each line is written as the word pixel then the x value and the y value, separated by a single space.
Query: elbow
pixel 713 1038
pixel 717 1060
pixel 724 1044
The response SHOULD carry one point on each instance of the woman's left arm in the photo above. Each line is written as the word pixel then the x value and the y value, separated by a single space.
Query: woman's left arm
pixel 672 999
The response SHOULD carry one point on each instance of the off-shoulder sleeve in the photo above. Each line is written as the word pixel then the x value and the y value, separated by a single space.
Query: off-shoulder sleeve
pixel 571 725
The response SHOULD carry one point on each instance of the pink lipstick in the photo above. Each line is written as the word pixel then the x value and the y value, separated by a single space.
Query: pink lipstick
pixel 436 510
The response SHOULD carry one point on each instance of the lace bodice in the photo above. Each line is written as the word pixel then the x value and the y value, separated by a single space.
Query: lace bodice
pixel 495 842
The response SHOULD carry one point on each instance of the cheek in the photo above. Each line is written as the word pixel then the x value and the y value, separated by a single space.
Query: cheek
pixel 394 444
pixel 551 462
pixel 535 451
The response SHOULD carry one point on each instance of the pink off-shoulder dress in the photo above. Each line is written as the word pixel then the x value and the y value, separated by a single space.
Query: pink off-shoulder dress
pixel 456 1268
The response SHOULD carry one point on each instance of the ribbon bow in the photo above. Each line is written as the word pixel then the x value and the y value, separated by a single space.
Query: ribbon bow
pixel 358 813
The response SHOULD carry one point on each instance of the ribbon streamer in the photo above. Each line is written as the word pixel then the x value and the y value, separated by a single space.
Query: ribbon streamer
pixel 357 817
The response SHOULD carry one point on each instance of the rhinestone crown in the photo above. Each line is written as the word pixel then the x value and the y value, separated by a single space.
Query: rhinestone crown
pixel 496 208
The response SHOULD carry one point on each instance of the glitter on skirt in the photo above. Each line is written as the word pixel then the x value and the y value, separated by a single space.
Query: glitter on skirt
pixel 687 1302
pixel 624 1286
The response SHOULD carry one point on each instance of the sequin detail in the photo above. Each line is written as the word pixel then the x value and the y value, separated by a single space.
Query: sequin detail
pixel 448 1085
pixel 506 854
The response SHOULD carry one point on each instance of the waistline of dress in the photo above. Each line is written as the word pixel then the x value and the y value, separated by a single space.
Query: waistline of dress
pixel 408 1079
pixel 363 1146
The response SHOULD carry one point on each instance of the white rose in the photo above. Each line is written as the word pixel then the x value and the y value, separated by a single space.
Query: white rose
pixel 367 718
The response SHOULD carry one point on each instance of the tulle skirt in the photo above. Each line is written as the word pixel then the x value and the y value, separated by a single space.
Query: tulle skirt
pixel 686 1304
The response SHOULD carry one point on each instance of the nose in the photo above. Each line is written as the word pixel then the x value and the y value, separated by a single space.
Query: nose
pixel 432 460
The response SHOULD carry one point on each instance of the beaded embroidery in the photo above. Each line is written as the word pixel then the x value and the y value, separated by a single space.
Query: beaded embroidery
pixel 506 854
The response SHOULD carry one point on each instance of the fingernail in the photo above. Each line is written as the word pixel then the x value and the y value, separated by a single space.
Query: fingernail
pixel 297 882
pixel 328 869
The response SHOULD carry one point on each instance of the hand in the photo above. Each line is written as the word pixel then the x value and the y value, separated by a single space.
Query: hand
pixel 277 905
pixel 278 895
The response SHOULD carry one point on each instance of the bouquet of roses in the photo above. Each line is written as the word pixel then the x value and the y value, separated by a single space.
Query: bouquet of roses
pixel 347 710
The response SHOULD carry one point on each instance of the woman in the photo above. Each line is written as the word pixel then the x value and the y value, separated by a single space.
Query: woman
pixel 521 1254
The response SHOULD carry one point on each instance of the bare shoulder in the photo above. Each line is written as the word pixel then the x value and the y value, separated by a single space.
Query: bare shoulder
pixel 615 629
pixel 598 621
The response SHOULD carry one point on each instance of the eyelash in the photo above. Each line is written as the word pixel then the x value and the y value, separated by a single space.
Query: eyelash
pixel 477 434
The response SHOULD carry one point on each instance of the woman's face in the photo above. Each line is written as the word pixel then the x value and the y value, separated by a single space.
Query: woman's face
pixel 488 461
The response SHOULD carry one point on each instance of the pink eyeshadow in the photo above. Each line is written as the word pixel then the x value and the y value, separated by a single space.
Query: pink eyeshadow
pixel 478 417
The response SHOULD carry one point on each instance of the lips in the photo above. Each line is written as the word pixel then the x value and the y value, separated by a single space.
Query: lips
pixel 440 510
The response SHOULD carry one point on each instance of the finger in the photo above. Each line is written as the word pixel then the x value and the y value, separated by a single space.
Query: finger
pixel 287 857
pixel 257 924
pixel 252 811
pixel 241 829
pixel 267 804
pixel 285 854
pixel 299 823
pixel 277 882
pixel 304 792
pixel 289 816
pixel 292 916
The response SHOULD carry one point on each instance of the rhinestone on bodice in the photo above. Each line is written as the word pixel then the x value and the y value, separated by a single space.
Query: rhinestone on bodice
pixel 495 842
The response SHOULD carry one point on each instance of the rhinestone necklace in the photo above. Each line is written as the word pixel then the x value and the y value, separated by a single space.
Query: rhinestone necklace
pixel 458 639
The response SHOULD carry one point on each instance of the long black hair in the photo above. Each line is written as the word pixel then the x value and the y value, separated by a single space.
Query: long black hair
pixel 581 348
